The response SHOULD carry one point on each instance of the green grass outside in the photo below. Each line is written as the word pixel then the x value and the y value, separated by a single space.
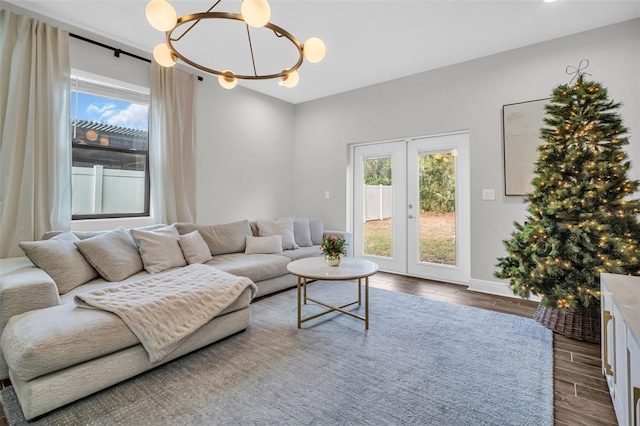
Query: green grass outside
pixel 440 249
pixel 377 242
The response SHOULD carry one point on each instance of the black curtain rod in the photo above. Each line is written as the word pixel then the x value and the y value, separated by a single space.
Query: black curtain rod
pixel 116 52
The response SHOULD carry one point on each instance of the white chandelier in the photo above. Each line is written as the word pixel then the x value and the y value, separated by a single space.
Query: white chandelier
pixel 254 13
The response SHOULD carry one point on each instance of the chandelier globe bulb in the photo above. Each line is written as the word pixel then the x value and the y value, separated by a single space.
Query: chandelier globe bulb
pixel 314 50
pixel 163 55
pixel 291 79
pixel 256 13
pixel 161 15
pixel 227 79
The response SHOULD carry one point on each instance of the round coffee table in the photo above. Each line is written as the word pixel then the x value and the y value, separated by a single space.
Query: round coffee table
pixel 315 268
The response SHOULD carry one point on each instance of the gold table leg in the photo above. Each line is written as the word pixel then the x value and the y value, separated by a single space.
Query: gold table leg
pixel 302 288
pixel 299 307
pixel 304 280
pixel 366 302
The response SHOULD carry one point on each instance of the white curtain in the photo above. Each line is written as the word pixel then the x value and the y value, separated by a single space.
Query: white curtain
pixel 35 145
pixel 172 145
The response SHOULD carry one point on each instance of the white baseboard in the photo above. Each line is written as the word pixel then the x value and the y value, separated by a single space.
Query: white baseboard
pixel 497 288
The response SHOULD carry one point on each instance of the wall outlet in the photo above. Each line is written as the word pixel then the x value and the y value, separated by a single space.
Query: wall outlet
pixel 488 194
pixel 326 195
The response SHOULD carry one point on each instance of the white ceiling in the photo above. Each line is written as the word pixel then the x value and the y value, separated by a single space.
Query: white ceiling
pixel 368 42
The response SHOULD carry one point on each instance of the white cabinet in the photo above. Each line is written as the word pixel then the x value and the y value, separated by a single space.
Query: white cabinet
pixel 620 303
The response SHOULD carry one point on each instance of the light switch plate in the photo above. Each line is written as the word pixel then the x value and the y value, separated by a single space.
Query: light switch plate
pixel 488 194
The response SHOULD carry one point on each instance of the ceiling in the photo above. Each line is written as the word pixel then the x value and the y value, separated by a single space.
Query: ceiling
pixel 368 42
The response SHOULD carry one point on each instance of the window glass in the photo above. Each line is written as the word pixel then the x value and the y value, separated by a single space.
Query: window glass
pixel 110 150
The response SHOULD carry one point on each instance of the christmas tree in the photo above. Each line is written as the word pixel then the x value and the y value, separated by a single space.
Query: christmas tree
pixel 581 219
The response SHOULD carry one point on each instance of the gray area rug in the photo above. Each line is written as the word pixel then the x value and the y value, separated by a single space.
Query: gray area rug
pixel 421 362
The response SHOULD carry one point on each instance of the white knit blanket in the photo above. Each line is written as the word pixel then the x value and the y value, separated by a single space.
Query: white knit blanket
pixel 164 309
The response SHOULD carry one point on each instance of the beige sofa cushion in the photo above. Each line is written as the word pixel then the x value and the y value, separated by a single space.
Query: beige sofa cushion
pixel 60 258
pixel 257 267
pixel 316 226
pixel 302 232
pixel 264 245
pixel 303 252
pixel 113 254
pixel 221 239
pixel 83 235
pixel 194 248
pixel 283 226
pixel 159 249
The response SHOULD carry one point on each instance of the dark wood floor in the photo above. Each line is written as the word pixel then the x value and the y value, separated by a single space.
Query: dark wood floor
pixel 580 392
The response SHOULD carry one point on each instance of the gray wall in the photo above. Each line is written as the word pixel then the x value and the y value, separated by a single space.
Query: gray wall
pixel 466 96
pixel 245 155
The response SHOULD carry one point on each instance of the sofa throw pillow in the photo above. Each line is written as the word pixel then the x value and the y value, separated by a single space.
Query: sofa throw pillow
pixel 60 258
pixel 83 235
pixel 284 227
pixel 316 226
pixel 302 232
pixel 159 249
pixel 194 248
pixel 221 239
pixel 264 245
pixel 113 254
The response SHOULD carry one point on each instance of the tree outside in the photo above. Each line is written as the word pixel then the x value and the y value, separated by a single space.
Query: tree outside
pixel 437 209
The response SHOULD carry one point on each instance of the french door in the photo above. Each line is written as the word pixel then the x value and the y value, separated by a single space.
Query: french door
pixel 411 206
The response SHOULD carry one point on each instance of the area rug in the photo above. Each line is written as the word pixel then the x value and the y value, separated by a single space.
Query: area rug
pixel 421 362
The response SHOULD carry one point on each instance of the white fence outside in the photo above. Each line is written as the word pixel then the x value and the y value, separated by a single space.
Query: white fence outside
pixel 377 202
pixel 97 190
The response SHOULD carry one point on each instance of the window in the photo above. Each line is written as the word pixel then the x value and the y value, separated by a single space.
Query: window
pixel 110 149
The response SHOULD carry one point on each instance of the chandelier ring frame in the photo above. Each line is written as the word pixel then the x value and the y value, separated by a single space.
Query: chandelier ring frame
pixel 197 17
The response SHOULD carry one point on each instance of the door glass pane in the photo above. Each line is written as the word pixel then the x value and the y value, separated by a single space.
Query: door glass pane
pixel 378 192
pixel 437 185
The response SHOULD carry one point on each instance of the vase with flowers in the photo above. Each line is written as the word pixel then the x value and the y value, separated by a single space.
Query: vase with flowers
pixel 333 247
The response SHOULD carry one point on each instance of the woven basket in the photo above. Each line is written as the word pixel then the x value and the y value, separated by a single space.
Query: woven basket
pixel 580 324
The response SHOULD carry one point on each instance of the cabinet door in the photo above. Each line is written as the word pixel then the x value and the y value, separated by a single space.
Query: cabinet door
pixel 634 379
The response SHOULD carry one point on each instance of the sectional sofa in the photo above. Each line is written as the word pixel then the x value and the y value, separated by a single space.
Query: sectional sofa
pixel 56 352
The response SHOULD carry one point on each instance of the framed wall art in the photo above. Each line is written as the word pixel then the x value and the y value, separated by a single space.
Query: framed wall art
pixel 521 123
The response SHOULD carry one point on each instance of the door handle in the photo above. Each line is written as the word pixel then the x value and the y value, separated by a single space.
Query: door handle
pixel 411 216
